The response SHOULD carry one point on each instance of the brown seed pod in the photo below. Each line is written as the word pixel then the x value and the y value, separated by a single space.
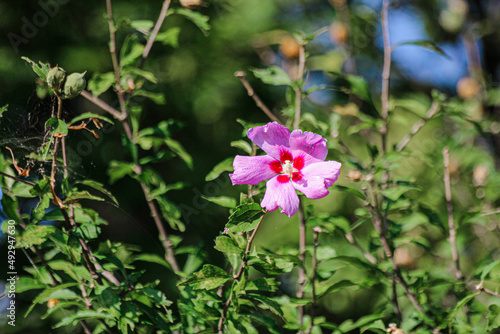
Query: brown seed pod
pixel 289 47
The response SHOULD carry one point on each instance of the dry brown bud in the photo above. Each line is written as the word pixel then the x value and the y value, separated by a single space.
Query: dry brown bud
pixel 192 4
pixel 354 175
pixel 52 303
pixel 479 175
pixel 393 329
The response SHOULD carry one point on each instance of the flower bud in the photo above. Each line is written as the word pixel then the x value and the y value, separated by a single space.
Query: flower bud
pixel 55 78
pixel 468 88
pixel 52 303
pixel 74 85
pixel 339 32
pixel 354 175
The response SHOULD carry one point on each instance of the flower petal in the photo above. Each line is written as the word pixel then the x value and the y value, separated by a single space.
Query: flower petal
pixel 313 187
pixel 271 138
pixel 310 143
pixel 328 170
pixel 252 170
pixel 282 195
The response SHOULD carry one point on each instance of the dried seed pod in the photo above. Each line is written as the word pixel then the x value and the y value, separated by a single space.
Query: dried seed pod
pixel 55 78
pixel 74 85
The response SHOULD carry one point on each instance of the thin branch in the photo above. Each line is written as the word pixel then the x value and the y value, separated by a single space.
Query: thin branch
pixel 451 223
pixel 17 179
pixel 302 258
pixel 377 223
pixel 244 263
pixel 481 288
pixel 154 33
pixel 298 88
pixel 316 231
pixel 417 126
pixel 167 244
pixel 103 105
pixel 386 73
pixel 242 76
pixel 114 58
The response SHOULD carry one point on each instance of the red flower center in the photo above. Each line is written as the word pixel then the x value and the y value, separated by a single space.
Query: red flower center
pixel 288 167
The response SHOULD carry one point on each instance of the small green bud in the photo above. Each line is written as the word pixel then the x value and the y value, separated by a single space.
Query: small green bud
pixel 74 85
pixel 55 78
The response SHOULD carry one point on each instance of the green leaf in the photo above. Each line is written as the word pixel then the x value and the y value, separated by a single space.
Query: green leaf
pixel 227 245
pixel 493 317
pixel 157 98
pixel 208 278
pixel 3 109
pixel 273 75
pixel 45 295
pixel 169 37
pixel 35 235
pixel 101 82
pixel 429 45
pixel 99 187
pixel 153 258
pixel 324 290
pixel 351 190
pixel 130 51
pixel 348 325
pixel 242 145
pixel 81 315
pixel 264 284
pixel 227 202
pixel 79 195
pixel 399 190
pixel 87 231
pixel 177 148
pixel 40 70
pixel 247 212
pixel 119 169
pixel 142 73
pixel 200 20
pixel 224 166
pixel 459 306
pixel 486 270
pixel 142 24
pixel 267 303
pixel 55 125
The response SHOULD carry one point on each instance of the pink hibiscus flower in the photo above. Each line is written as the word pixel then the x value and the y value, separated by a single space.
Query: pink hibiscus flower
pixel 294 161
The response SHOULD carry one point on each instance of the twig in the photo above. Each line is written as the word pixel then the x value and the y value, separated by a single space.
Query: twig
pixel 451 223
pixel 237 276
pixel 298 87
pixel 386 73
pixel 154 33
pixel 167 244
pixel 242 76
pixel 481 288
pixel 114 58
pixel 316 231
pixel 103 105
pixel 302 258
pixel 417 126
pixel 377 223
pixel 17 179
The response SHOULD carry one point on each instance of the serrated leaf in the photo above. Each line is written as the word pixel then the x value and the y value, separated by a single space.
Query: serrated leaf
pixel 35 235
pixel 267 284
pixel 40 69
pixel 100 83
pixel 227 202
pixel 429 45
pixel 208 278
pixel 224 166
pixel 247 212
pixel 227 245
pixel 169 37
pixel 273 75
